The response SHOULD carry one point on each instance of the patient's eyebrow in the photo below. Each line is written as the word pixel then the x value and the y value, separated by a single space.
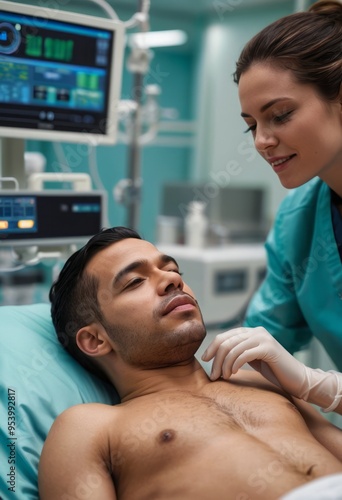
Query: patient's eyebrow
pixel 166 259
pixel 138 264
pixel 129 268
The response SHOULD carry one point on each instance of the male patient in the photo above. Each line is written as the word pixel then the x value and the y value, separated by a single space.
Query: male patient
pixel 122 308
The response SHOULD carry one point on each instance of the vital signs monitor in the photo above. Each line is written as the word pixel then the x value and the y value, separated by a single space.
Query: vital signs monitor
pixel 60 74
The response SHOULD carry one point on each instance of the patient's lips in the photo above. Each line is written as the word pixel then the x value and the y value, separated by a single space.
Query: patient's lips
pixel 181 302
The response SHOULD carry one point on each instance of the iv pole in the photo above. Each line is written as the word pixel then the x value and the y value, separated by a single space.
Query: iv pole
pixel 138 64
pixel 134 160
pixel 128 191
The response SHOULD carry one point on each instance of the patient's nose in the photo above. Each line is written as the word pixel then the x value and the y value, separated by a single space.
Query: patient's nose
pixel 170 281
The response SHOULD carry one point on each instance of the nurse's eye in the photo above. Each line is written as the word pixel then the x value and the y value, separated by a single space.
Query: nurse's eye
pixel 251 128
pixel 284 117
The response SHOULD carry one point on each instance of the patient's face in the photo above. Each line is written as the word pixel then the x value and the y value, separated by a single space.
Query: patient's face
pixel 150 314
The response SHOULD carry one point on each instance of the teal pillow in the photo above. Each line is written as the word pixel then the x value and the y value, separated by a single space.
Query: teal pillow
pixel 38 380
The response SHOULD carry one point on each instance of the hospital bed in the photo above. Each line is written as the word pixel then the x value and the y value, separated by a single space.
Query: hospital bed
pixel 39 380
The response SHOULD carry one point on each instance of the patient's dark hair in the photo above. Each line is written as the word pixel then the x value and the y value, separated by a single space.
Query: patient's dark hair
pixel 307 43
pixel 74 295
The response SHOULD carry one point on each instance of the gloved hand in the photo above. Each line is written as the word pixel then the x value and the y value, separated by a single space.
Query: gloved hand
pixel 232 349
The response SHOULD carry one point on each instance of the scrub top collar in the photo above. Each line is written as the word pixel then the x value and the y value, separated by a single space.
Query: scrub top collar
pixel 337 220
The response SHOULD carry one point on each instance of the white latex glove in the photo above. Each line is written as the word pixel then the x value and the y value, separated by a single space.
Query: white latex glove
pixel 255 346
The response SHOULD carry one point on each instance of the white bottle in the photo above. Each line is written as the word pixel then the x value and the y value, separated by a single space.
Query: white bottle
pixel 196 225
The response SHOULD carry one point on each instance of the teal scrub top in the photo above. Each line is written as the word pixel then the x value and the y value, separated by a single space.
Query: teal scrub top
pixel 301 295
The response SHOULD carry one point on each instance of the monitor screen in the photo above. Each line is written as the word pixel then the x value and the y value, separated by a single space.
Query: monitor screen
pixel 60 74
pixel 53 217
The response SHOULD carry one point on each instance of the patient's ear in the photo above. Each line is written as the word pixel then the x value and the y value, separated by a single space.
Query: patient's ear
pixel 93 341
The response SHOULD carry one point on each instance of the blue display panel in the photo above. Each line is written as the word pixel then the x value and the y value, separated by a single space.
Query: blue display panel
pixel 56 75
pixel 18 214
pixel 50 216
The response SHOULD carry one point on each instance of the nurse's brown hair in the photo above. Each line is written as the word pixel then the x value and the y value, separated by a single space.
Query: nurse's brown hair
pixel 307 43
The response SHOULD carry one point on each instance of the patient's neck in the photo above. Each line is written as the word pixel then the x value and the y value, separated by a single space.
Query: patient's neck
pixel 136 382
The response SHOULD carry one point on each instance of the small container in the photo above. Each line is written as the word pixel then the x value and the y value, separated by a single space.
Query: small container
pixel 168 230
pixel 196 225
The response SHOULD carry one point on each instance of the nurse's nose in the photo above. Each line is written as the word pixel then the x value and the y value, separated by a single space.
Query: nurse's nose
pixel 264 138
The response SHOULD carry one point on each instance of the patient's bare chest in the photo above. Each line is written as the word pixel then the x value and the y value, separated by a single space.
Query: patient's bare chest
pixel 185 441
pixel 178 418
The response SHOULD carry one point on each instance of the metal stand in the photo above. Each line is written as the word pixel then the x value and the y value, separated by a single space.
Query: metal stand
pixel 134 164
pixel 138 64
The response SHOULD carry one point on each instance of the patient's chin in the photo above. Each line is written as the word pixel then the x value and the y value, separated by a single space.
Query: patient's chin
pixel 163 347
pixel 187 338
pixel 179 353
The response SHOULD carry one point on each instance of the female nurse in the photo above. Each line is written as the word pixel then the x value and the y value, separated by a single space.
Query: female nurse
pixel 290 89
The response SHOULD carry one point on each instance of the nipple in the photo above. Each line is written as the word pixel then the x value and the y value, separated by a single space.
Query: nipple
pixel 166 436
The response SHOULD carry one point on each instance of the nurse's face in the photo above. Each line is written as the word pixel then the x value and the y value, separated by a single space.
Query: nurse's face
pixel 297 132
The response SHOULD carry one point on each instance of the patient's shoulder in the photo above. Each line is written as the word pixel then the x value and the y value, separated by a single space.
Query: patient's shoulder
pixel 83 427
pixel 248 375
pixel 253 378
pixel 85 410
pixel 86 418
pixel 76 445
